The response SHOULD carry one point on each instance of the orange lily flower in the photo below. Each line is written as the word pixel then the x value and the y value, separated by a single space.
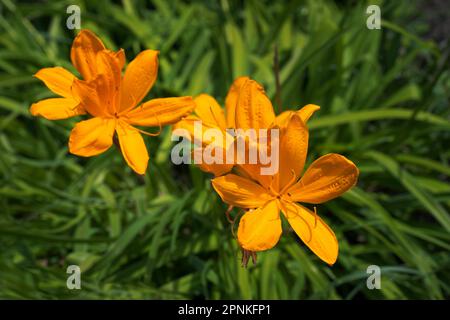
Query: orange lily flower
pixel 112 100
pixel 325 179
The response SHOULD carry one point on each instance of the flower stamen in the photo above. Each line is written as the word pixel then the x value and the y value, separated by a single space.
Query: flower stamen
pixel 153 134
pixel 290 183
pixel 227 214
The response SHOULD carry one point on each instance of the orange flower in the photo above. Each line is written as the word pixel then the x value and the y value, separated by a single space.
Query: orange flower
pixel 325 179
pixel 110 98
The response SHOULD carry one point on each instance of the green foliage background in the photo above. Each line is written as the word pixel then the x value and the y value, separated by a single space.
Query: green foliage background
pixel 385 105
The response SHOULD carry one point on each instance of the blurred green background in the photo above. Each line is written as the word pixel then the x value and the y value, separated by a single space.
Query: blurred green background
pixel 385 105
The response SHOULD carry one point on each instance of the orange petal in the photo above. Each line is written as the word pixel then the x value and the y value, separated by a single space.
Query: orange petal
pixel 92 94
pixel 260 229
pixel 120 56
pixel 253 172
pixel 232 99
pixel 283 118
pixel 240 192
pixel 211 161
pixel 304 113
pixel 83 53
pixel 188 123
pixel 217 169
pixel 133 147
pixel 161 111
pixel 326 178
pixel 108 81
pixel 307 111
pixel 253 109
pixel 209 111
pixel 139 77
pixel 92 137
pixel 57 79
pixel 313 231
pixel 57 108
pixel 292 151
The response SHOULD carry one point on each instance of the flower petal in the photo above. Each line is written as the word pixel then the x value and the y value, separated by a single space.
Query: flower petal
pixel 304 113
pixel 253 109
pixel 83 53
pixel 108 81
pixel 292 151
pixel 326 178
pixel 260 229
pixel 313 231
pixel 207 145
pixel 133 147
pixel 209 111
pixel 232 99
pixel 188 124
pixel 217 169
pixel 120 56
pixel 92 137
pixel 57 108
pixel 162 111
pixel 283 118
pixel 307 111
pixel 92 95
pixel 240 192
pixel 253 172
pixel 217 156
pixel 57 79
pixel 139 77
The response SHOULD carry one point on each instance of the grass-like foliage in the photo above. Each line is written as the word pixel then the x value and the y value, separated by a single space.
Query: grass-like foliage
pixel 384 97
